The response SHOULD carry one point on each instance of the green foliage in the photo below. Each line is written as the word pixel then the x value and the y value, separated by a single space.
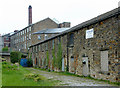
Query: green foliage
pixel 59 57
pixel 54 58
pixel 5 49
pixel 29 62
pixel 15 57
pixel 9 66
pixel 16 78
pixel 35 77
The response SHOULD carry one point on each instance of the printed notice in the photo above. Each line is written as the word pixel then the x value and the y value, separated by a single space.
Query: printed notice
pixel 89 33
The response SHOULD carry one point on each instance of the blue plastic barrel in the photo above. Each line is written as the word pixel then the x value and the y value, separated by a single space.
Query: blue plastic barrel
pixel 23 62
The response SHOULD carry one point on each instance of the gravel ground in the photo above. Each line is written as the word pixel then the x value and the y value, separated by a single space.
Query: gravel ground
pixel 69 80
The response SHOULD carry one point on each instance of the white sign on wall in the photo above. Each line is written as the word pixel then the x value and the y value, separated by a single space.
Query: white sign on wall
pixel 89 33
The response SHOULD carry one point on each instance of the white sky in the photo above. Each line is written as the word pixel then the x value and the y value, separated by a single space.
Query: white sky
pixel 14 13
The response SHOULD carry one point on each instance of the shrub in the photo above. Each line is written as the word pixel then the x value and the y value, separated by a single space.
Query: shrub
pixel 9 66
pixel 5 49
pixel 29 62
pixel 35 77
pixel 15 57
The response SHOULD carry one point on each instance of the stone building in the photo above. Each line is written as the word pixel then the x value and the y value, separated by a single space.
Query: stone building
pixel 21 40
pixel 6 40
pixel 48 33
pixel 1 43
pixel 91 48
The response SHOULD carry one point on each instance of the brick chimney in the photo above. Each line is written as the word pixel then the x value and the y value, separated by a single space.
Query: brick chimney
pixel 29 15
pixel 64 25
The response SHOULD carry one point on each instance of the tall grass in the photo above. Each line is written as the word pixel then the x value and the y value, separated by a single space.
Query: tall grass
pixel 15 77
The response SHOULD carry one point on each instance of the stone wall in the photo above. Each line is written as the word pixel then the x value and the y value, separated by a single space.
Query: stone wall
pixel 21 40
pixel 44 24
pixel 85 55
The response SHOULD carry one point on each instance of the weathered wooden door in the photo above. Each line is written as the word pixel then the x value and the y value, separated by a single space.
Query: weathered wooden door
pixel 63 64
pixel 85 66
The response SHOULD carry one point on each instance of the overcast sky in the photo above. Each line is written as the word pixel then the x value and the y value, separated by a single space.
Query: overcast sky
pixel 14 13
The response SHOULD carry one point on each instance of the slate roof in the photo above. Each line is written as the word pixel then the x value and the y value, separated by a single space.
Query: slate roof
pixel 51 31
pixel 87 23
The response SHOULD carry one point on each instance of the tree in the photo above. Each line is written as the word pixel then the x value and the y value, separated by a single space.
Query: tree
pixel 15 57
pixel 5 49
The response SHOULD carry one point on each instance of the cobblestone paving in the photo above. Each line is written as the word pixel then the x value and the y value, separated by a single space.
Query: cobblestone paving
pixel 69 80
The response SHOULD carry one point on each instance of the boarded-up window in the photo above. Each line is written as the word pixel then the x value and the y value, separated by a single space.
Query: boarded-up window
pixel 104 61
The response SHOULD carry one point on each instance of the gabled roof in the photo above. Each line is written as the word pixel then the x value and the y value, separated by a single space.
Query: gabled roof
pixel 46 19
pixel 86 23
pixel 51 31
pixel 34 24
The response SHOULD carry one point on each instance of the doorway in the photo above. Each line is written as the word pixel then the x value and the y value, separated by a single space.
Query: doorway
pixel 85 66
pixel 63 64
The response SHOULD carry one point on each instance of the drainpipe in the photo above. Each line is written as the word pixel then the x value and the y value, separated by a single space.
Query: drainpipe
pixel 67 56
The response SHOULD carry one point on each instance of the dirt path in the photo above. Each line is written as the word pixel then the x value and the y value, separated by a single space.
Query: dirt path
pixel 69 80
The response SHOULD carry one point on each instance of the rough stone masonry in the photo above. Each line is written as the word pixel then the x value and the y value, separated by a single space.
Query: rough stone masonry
pixel 88 49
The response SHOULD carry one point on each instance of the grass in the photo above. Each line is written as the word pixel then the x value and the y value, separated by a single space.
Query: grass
pixel 14 77
pixel 88 77
pixel 0 74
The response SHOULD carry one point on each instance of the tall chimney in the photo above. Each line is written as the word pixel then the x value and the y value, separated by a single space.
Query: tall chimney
pixel 30 15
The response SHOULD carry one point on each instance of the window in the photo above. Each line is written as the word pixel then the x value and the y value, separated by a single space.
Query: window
pixel 25 45
pixel 17 40
pixel 104 61
pixel 59 40
pixel 39 47
pixel 30 28
pixel 21 39
pixel 46 46
pixel 25 31
pixel 46 36
pixel 32 49
pixel 53 44
pixel 36 48
pixel 72 58
pixel 7 44
pixel 71 39
pixel 25 37
pixel 21 32
pixel 43 47
pixel 29 36
pixel 39 37
pixel 7 38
